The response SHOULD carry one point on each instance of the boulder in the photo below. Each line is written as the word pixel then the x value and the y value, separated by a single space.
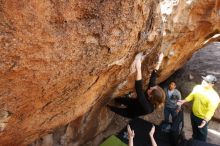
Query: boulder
pixel 59 59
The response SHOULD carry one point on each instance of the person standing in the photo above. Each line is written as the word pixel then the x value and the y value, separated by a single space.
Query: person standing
pixel 172 96
pixel 205 102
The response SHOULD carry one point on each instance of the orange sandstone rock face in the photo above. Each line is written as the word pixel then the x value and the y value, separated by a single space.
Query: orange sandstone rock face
pixel 60 58
pixel 190 26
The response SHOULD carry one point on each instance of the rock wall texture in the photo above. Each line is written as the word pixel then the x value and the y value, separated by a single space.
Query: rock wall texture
pixel 188 26
pixel 61 61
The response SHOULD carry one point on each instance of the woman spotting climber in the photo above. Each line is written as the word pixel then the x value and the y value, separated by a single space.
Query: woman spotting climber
pixel 145 102
pixel 131 135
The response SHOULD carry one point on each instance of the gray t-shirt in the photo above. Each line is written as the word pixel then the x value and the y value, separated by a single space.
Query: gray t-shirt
pixel 172 97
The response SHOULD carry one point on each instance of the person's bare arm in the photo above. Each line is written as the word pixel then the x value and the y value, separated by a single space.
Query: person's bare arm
pixel 144 103
pixel 203 123
pixel 130 136
pixel 179 98
pixel 159 61
pixel 138 68
pixel 151 133
pixel 210 109
pixel 181 102
pixel 138 60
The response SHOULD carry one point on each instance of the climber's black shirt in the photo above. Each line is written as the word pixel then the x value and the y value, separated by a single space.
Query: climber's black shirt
pixel 142 96
pixel 136 106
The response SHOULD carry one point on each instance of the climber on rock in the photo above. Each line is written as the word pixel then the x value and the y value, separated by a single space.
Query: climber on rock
pixel 146 102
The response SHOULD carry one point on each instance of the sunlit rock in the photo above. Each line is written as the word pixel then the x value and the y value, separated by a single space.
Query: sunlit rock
pixel 62 61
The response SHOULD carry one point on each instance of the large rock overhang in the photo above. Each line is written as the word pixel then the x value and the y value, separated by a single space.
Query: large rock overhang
pixel 58 58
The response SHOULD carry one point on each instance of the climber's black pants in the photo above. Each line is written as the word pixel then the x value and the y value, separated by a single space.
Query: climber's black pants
pixel 132 107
